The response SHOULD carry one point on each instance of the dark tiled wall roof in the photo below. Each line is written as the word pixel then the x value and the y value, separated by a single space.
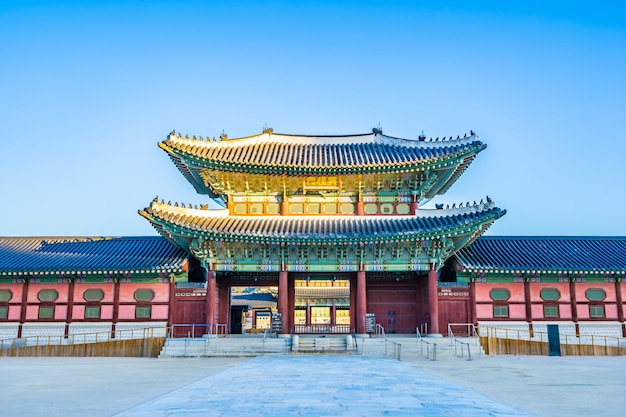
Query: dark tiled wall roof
pixel 40 254
pixel 548 253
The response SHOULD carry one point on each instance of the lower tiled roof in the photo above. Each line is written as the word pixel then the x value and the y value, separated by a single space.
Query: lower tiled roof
pixel 545 253
pixel 78 254
pixel 303 228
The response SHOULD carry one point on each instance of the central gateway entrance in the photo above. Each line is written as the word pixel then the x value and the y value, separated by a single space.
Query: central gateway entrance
pixel 322 303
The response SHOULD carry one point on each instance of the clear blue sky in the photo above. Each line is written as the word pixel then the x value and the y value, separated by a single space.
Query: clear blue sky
pixel 89 88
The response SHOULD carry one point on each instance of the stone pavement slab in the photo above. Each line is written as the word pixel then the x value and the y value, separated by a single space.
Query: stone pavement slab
pixel 323 386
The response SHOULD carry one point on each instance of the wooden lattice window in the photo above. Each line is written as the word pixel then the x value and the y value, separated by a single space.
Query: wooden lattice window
pixel 501 311
pixel 46 312
pixel 596 311
pixel 143 312
pixel 92 312
pixel 550 311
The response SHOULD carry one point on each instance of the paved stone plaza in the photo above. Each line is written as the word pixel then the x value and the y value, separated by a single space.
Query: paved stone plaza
pixel 323 386
pixel 313 386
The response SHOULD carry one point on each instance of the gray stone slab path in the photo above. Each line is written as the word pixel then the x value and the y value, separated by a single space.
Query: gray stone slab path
pixel 323 386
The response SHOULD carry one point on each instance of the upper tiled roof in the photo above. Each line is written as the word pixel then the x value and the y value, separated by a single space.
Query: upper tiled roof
pixel 272 153
pixel 216 224
pixel 95 254
pixel 545 253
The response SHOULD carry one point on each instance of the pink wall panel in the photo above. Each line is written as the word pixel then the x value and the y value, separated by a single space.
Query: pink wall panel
pixel 60 312
pixel 562 287
pixel 583 311
pixel 608 287
pixel 516 289
pixel 126 313
pixel 159 312
pixel 565 311
pixel 611 311
pixel 517 311
pixel 14 312
pixel 34 289
pixel 106 312
pixel 484 311
pixel 78 312
pixel 16 291
pixel 32 312
pixel 537 311
pixel 161 291
pixel 79 290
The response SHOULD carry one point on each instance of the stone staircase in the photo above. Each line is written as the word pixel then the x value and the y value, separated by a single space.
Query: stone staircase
pixel 230 346
pixel 255 345
pixel 322 344
pixel 427 347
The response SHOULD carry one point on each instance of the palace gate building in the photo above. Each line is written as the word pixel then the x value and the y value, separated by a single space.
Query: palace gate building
pixel 330 231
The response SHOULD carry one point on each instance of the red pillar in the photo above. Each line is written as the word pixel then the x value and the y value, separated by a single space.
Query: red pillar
pixel 573 303
pixel 283 299
pixel 361 301
pixel 433 301
pixel 23 307
pixel 173 303
pixel 70 307
pixel 414 205
pixel 284 206
pixel 529 311
pixel 211 298
pixel 116 306
pixel 620 305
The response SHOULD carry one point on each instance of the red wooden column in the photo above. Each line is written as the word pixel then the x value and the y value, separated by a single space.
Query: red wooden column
pixel 529 311
pixel 116 305
pixel 433 300
pixel 23 307
pixel 472 311
pixel 70 308
pixel 361 301
pixel 572 294
pixel 173 303
pixel 211 297
pixel 283 299
pixel 284 205
pixel 414 205
pixel 620 305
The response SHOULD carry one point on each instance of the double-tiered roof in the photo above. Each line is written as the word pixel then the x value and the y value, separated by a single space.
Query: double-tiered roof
pixel 326 203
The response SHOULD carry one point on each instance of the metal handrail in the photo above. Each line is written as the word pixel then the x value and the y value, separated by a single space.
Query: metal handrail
pixel 469 353
pixel 428 345
pixel 566 339
pixel 82 338
pixel 397 349
pixel 380 330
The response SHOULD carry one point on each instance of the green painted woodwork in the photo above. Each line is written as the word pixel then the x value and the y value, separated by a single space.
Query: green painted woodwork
pixel 500 294
pixel 422 182
pixel 93 295
pixel 550 294
pixel 595 294
pixel 47 295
